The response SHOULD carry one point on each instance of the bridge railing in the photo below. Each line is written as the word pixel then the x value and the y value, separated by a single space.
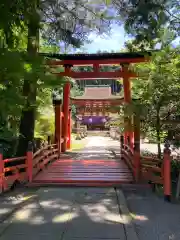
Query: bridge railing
pixel 23 169
pixel 158 171
pixel 128 155
pixel 149 169
pixel 152 170
pixel 40 159
pixel 12 170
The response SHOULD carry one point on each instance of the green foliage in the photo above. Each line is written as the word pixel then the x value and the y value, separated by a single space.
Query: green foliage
pixel 44 126
pixel 15 69
pixel 27 83
pixel 158 91
pixel 11 99
pixel 145 19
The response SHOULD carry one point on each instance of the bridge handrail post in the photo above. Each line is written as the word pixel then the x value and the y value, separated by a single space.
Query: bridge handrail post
pixel 167 172
pixel 59 148
pixel 58 144
pixel 1 169
pixel 29 159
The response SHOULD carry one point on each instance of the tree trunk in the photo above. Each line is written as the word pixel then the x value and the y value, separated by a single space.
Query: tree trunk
pixel 27 122
pixel 158 131
pixel 27 125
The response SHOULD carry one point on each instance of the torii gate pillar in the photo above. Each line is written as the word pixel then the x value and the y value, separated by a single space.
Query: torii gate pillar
pixel 57 110
pixel 69 130
pixel 127 99
pixel 66 103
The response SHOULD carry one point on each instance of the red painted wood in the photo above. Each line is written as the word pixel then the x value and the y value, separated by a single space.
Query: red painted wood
pixel 29 158
pixel 167 172
pixel 127 100
pixel 69 131
pixel 103 102
pixel 58 123
pixel 97 62
pixel 66 101
pixel 85 173
pixel 1 172
pixel 96 75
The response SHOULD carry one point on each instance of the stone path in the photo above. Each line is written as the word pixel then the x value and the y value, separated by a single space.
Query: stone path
pixel 153 218
pixel 73 213
pixel 89 213
pixel 96 148
pixel 11 201
pixel 68 214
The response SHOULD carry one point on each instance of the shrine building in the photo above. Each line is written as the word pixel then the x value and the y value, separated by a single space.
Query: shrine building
pixel 95 106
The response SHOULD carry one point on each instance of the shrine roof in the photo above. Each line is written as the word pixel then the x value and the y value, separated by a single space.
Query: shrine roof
pixel 98 56
pixel 97 93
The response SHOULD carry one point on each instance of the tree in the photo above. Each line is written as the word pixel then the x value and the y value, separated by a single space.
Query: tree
pixel 144 19
pixel 59 21
pixel 11 100
pixel 158 89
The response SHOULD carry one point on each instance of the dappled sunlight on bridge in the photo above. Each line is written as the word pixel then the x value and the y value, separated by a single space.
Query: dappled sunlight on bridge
pixel 85 171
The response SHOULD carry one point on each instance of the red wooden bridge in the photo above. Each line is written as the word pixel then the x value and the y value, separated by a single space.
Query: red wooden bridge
pixel 85 173
pixel 46 167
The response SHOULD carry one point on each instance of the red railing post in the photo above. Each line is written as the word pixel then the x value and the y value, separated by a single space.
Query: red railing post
pixel 167 173
pixel 1 169
pixel 29 159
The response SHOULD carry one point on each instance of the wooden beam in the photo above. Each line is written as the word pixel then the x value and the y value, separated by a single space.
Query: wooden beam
pixel 83 102
pixel 98 62
pixel 96 75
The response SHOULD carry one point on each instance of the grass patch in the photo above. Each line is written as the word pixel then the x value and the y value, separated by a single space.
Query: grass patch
pixel 76 145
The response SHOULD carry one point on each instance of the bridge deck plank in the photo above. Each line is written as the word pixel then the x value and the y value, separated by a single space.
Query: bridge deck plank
pixel 85 172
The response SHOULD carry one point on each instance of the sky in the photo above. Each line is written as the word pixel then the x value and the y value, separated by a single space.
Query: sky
pixel 113 42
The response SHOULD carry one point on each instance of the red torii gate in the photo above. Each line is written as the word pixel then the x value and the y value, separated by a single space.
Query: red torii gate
pixel 96 61
pixel 158 173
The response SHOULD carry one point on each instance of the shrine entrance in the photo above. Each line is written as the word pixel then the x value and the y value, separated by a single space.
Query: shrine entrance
pixel 95 106
pixel 96 102
pixel 103 99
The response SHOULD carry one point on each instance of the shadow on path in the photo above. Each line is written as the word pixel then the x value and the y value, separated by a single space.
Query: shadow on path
pixel 68 213
pixel 153 218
